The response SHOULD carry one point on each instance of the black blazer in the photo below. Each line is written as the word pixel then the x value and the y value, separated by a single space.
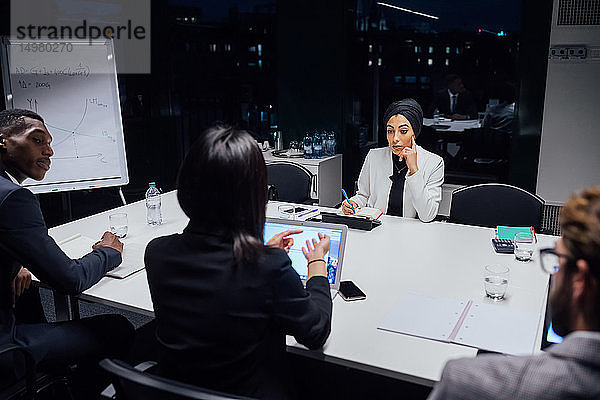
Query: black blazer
pixel 465 104
pixel 221 325
pixel 24 241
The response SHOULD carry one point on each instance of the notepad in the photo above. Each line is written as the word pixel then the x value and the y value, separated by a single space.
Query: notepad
pixel 370 212
pixel 484 326
pixel 509 232
pixel 78 246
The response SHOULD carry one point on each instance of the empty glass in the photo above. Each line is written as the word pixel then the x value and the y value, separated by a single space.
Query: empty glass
pixel 118 224
pixel 523 246
pixel 287 211
pixel 495 281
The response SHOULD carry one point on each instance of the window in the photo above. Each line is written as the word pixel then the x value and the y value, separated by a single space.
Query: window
pixel 430 62
pixel 212 47
pixel 447 62
pixel 259 47
pixel 430 49
pixel 447 49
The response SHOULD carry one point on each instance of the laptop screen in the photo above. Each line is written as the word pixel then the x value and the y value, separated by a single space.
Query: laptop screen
pixel 333 258
pixel 549 337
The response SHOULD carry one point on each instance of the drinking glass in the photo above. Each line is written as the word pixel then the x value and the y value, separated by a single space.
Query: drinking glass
pixel 523 246
pixel 287 211
pixel 495 281
pixel 118 224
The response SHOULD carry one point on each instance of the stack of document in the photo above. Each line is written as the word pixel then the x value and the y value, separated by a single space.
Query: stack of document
pixel 132 258
pixel 484 326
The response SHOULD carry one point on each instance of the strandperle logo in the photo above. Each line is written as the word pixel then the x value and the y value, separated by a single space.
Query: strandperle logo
pixel 57 25
pixel 128 31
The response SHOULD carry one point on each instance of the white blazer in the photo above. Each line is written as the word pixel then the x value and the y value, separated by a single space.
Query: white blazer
pixel 422 190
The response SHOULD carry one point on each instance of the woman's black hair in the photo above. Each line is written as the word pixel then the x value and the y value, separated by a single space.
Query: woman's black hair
pixel 222 187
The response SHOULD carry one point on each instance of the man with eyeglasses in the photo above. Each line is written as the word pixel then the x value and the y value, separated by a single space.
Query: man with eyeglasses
pixel 570 369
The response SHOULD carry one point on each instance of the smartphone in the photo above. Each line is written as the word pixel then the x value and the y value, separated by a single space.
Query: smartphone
pixel 349 291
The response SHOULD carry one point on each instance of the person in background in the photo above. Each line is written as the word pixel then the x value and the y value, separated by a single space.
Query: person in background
pixel 402 179
pixel 455 101
pixel 223 300
pixel 25 246
pixel 501 117
pixel 567 370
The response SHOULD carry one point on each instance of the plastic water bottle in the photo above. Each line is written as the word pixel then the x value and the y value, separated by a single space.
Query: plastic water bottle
pixel 318 145
pixel 331 143
pixel 308 146
pixel 153 203
pixel 436 116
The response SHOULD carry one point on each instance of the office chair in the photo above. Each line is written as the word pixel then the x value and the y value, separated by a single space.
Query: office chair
pixel 33 384
pixel 131 384
pixel 293 182
pixel 486 151
pixel 493 204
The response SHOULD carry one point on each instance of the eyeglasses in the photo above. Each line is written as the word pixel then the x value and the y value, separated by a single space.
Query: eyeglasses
pixel 550 260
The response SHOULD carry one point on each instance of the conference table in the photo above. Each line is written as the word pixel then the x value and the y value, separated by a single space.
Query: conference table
pixel 402 255
pixel 452 126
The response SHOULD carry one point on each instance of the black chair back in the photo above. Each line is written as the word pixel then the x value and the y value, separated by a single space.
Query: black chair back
pixel 132 384
pixel 292 181
pixel 493 204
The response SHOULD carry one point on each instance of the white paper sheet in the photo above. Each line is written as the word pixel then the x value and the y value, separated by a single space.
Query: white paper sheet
pixel 486 326
pixel 132 258
pixel 499 328
pixel 429 317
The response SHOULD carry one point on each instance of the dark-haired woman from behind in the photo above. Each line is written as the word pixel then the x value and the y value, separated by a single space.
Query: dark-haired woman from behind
pixel 224 300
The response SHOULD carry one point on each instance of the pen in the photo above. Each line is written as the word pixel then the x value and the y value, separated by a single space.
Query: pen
pixel 346 196
pixel 306 213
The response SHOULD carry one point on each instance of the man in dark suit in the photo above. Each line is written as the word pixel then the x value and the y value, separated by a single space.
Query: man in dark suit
pixel 25 245
pixel 455 101
pixel 570 369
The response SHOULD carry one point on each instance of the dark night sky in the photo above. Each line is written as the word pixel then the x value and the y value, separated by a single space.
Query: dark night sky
pixel 466 15
pixel 218 9
pixel 463 15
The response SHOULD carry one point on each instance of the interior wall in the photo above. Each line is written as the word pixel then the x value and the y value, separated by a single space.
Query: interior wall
pixel 570 144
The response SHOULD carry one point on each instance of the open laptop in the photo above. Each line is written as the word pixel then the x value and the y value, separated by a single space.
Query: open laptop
pixel 549 337
pixel 334 258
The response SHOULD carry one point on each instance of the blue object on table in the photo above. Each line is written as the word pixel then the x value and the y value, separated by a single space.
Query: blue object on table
pixel 346 196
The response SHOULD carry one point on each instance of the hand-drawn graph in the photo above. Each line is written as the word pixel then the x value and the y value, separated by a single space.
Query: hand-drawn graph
pixel 81 112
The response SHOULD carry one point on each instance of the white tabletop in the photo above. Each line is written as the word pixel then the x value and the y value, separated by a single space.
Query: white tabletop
pixel 401 255
pixel 453 126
